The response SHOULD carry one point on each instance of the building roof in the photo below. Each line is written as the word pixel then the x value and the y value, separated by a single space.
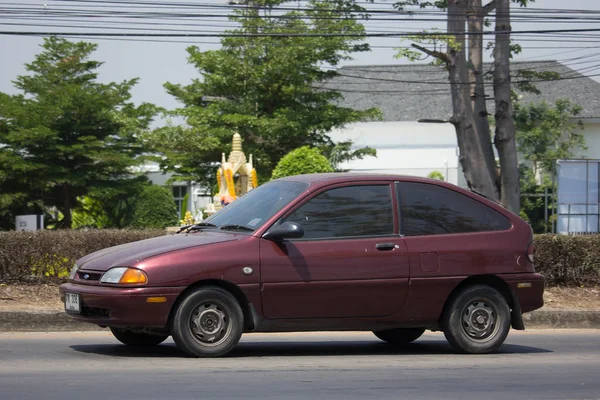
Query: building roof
pixel 410 92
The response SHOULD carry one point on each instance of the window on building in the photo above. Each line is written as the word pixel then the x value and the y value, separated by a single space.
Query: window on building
pixel 434 210
pixel 352 211
pixel 179 193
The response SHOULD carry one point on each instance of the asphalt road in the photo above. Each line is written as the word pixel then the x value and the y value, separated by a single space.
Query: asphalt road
pixel 544 364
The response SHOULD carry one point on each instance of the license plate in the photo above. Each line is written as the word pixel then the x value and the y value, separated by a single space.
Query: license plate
pixel 72 303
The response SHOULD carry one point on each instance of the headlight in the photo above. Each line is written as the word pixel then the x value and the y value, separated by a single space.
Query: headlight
pixel 124 275
pixel 73 272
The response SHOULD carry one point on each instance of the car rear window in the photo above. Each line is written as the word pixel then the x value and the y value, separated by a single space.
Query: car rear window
pixel 428 209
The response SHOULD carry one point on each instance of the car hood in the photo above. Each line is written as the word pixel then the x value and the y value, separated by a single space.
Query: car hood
pixel 131 253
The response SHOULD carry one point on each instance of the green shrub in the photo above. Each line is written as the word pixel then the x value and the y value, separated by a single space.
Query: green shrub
pixel 48 254
pixel 436 175
pixel 155 209
pixel 303 160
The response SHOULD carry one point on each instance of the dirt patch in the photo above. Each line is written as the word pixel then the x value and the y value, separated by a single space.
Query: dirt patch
pixel 46 297
pixel 30 297
pixel 572 298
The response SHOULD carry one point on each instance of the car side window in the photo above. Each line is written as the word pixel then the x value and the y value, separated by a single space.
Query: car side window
pixel 428 209
pixel 352 211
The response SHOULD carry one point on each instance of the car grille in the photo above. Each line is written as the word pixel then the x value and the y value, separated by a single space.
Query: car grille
pixel 88 276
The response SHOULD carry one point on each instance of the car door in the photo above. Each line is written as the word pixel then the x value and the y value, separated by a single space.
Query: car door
pixel 351 261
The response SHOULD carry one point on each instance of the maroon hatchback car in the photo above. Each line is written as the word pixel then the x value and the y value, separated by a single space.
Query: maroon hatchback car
pixel 395 255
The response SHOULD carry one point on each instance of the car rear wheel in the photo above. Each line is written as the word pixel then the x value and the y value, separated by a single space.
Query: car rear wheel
pixel 400 336
pixel 477 320
pixel 208 323
pixel 131 338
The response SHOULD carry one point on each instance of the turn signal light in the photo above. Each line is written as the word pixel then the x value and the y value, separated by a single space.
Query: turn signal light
pixel 159 299
pixel 133 276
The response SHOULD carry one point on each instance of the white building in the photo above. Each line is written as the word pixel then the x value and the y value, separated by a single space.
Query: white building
pixel 405 147
pixel 408 93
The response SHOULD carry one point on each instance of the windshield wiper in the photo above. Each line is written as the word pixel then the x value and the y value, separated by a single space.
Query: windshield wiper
pixel 195 227
pixel 236 228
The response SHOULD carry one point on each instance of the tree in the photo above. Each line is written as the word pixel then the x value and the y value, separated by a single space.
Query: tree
pixel 436 175
pixel 155 209
pixel 545 134
pixel 343 151
pixel 466 19
pixel 109 207
pixel 304 160
pixel 264 87
pixel 66 133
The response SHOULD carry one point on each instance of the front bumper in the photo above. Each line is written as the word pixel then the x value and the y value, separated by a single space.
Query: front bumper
pixel 116 306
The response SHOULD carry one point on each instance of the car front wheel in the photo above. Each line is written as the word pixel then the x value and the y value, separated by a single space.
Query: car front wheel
pixel 400 336
pixel 208 323
pixel 477 320
pixel 131 338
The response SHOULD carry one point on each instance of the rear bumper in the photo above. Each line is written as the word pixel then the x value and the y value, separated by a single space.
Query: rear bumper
pixel 113 306
pixel 528 288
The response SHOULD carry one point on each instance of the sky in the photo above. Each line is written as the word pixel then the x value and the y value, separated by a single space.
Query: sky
pixel 156 63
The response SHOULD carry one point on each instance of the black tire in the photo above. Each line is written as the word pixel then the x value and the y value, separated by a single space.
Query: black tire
pixel 477 320
pixel 400 336
pixel 137 339
pixel 208 323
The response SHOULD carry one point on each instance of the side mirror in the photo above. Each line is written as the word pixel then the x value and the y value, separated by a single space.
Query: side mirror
pixel 287 230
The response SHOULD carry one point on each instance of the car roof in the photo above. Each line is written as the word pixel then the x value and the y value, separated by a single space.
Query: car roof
pixel 338 177
pixel 317 181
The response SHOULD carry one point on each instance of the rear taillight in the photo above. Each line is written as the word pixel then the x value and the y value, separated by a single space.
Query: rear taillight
pixel 530 251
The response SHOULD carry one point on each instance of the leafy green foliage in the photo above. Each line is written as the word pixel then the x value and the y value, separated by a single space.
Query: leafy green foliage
pixel 436 175
pixel 304 160
pixel 89 214
pixel 546 133
pixel 155 209
pixel 109 207
pixel 533 202
pixel 265 88
pixel 66 133
pixel 343 151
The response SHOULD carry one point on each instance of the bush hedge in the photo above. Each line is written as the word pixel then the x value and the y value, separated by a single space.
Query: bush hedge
pixel 568 260
pixel 47 255
pixel 26 256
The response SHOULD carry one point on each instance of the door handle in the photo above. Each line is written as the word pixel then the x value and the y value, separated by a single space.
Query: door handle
pixel 386 246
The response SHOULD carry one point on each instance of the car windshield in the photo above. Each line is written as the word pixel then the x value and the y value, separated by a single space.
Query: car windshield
pixel 251 210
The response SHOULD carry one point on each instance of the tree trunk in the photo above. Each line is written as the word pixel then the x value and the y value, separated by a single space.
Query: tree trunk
pixel 67 220
pixel 473 154
pixel 475 17
pixel 505 128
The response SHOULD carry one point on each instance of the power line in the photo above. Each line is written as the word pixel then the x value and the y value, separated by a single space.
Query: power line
pixel 283 35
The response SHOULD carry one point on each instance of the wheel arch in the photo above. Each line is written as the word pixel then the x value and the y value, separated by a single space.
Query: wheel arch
pixel 495 282
pixel 230 287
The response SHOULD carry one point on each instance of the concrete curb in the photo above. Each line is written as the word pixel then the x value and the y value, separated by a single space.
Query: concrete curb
pixel 562 319
pixel 47 321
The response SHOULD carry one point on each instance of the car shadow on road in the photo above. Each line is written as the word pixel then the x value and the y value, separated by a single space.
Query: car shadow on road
pixel 301 349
